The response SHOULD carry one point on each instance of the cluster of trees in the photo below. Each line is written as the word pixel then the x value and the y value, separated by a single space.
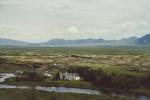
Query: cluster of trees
pixel 31 76
pixel 120 81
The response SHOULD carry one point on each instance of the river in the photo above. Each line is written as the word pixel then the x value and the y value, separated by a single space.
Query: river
pixel 68 90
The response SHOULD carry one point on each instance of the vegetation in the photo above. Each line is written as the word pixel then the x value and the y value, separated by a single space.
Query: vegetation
pixel 38 95
pixel 125 68
pixel 114 80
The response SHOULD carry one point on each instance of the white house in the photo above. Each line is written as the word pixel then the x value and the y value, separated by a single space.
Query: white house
pixel 69 76
pixel 47 74
pixel 19 71
pixel 57 65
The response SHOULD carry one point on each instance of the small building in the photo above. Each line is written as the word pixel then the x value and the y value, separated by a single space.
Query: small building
pixel 19 71
pixel 69 76
pixel 57 65
pixel 47 74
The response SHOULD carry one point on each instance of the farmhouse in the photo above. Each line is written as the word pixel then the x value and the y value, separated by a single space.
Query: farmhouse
pixel 47 74
pixel 19 71
pixel 57 65
pixel 69 76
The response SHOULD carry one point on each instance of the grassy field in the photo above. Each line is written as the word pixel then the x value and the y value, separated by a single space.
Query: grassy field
pixel 119 61
pixel 130 60
pixel 38 95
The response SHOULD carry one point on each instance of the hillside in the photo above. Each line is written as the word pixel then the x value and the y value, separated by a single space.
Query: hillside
pixel 131 41
pixel 10 42
pixel 73 42
pixel 145 40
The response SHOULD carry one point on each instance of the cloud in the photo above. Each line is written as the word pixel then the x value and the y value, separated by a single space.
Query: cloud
pixel 109 19
pixel 73 29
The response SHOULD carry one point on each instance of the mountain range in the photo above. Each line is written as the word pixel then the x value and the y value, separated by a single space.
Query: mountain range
pixel 144 40
pixel 10 42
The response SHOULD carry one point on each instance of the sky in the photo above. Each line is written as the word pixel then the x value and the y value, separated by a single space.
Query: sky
pixel 42 20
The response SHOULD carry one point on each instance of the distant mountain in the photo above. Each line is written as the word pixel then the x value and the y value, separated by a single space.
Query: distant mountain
pixel 10 42
pixel 132 41
pixel 145 40
pixel 73 42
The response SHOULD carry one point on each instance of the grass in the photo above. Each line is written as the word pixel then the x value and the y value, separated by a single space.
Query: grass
pixel 110 69
pixel 142 91
pixel 107 58
pixel 11 68
pixel 16 94
pixel 63 83
pixel 57 83
pixel 134 50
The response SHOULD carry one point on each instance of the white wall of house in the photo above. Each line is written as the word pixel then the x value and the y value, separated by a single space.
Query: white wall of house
pixel 77 78
pixel 69 76
pixel 48 75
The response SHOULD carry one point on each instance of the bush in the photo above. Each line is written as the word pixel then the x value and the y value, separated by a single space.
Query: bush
pixel 103 79
pixel 31 76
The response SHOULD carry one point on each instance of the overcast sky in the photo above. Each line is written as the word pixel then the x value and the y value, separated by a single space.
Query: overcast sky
pixel 41 20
